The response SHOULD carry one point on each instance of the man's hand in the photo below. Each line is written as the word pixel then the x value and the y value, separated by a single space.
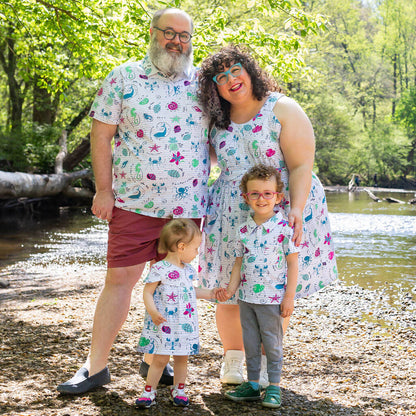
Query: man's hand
pixel 103 204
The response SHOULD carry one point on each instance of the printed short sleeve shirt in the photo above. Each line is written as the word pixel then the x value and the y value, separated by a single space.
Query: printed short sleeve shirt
pixel 160 156
pixel 264 269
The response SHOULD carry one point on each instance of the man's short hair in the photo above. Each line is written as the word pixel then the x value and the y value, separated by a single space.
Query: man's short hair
pixel 159 13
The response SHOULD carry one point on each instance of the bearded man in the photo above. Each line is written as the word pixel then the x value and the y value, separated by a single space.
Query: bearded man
pixel 156 169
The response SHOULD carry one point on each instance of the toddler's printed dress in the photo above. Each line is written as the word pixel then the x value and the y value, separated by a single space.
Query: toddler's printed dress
pixel 175 299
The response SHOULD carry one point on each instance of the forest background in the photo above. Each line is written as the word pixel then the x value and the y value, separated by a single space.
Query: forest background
pixel 350 64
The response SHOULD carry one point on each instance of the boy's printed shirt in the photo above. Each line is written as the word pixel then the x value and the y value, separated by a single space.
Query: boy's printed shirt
pixel 264 269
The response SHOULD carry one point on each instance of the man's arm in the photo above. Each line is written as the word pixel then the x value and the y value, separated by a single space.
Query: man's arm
pixel 102 165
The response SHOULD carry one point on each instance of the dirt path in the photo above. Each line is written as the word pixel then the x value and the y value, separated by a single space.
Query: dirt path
pixel 336 362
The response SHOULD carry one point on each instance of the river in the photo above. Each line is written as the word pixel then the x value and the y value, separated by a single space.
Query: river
pixel 375 241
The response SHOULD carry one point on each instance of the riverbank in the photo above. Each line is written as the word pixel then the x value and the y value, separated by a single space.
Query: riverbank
pixel 347 352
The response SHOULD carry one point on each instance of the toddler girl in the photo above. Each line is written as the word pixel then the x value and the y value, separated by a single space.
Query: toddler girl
pixel 171 321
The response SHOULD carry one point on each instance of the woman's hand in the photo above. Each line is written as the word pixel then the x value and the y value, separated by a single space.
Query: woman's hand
pixel 295 221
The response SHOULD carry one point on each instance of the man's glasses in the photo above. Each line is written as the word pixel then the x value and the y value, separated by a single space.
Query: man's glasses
pixel 170 34
pixel 222 77
pixel 256 195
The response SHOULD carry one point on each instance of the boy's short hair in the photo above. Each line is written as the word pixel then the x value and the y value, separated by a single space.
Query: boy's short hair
pixel 179 230
pixel 263 172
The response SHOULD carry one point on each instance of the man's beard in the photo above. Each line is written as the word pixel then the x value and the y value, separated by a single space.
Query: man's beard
pixel 169 63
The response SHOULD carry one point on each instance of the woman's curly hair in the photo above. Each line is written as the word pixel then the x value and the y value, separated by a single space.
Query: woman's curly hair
pixel 215 107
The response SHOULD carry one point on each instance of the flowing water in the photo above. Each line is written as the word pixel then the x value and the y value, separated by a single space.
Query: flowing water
pixel 375 241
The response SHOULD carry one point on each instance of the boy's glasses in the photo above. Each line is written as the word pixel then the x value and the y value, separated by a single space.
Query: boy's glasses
pixel 256 195
pixel 170 34
pixel 222 77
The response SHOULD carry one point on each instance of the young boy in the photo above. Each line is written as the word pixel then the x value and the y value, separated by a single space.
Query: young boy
pixel 265 272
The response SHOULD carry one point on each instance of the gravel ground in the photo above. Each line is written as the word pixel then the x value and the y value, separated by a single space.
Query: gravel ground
pixel 347 352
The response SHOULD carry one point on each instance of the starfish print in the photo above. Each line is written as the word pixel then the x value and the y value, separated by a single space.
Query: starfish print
pixel 172 296
pixel 155 148
pixel 275 298
pixel 176 119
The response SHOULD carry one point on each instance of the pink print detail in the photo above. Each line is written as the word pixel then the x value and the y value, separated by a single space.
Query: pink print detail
pixel 151 176
pixel 331 255
pixel 140 134
pixel 189 310
pixel 178 211
pixel 100 92
pixel 280 238
pixel 172 106
pixel 270 152
pixel 244 229
pixel 120 200
pixel 177 158
pixel 173 275
pixel 197 109
pixel 327 239
pixel 317 252
pixel 256 129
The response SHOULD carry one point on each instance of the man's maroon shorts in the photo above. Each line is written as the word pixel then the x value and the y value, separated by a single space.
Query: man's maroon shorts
pixel 133 238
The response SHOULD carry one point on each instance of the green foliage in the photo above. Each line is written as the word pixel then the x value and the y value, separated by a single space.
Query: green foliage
pixel 348 64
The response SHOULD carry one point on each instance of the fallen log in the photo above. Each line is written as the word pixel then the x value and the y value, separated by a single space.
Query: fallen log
pixel 19 184
pixel 394 200
pixel 372 196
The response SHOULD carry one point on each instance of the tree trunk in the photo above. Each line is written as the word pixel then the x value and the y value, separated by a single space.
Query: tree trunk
pixel 18 184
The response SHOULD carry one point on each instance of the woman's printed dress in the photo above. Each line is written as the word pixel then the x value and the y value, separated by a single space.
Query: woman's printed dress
pixel 239 148
pixel 175 299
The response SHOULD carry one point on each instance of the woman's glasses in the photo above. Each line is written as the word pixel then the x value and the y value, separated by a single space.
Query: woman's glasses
pixel 256 195
pixel 170 34
pixel 222 77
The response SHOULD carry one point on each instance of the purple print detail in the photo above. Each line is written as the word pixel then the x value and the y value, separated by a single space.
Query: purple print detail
pixel 151 176
pixel 143 76
pixel 166 329
pixel 177 129
pixel 230 128
pixel 195 182
pixel 222 144
pixel 186 83
pixel 92 113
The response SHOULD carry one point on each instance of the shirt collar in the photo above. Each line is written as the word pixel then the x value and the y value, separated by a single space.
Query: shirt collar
pixel 267 226
pixel 151 70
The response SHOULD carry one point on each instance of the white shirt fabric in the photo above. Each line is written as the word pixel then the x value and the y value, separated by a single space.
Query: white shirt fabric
pixel 160 156
pixel 264 249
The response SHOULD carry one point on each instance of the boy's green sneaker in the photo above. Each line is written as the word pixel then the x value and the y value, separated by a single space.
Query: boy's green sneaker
pixel 244 392
pixel 272 397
